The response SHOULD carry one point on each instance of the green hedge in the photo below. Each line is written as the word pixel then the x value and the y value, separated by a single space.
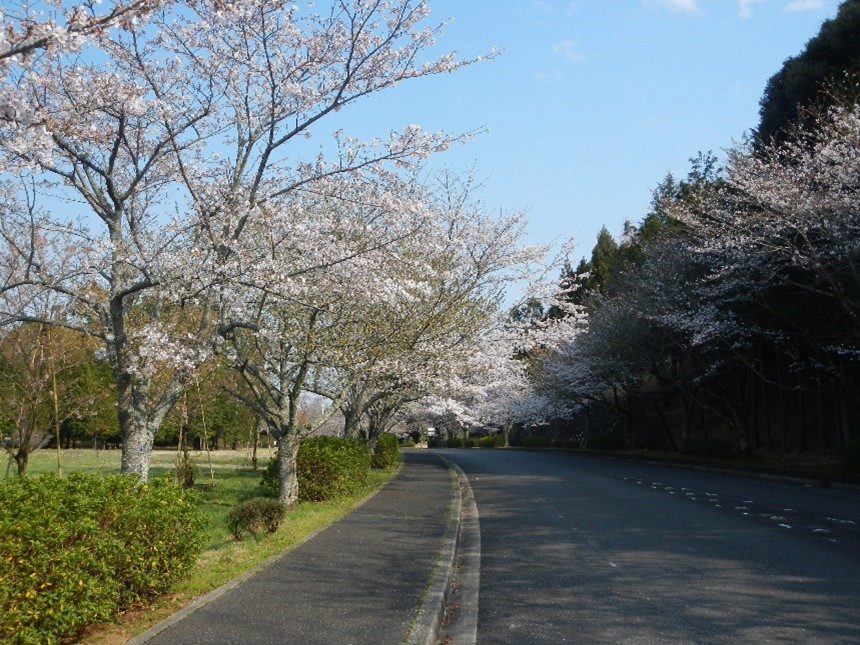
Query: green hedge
pixel 75 551
pixel 330 467
pixel 489 441
pixel 535 441
pixel 386 452
pixel 327 468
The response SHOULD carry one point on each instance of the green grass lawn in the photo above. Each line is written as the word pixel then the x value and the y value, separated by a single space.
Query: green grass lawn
pixel 222 558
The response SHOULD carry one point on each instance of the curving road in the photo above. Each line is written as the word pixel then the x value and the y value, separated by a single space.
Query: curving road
pixel 583 550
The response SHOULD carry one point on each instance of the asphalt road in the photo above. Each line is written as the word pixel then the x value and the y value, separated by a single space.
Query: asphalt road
pixel 583 550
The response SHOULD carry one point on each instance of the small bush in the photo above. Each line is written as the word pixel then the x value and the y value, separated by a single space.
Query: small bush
pixel 712 447
pixel 327 468
pixel 851 459
pixel 490 441
pixel 606 441
pixel 433 442
pixel 454 442
pixel 536 441
pixel 75 551
pixel 386 452
pixel 255 516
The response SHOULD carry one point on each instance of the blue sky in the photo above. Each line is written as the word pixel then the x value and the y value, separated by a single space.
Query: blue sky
pixel 592 102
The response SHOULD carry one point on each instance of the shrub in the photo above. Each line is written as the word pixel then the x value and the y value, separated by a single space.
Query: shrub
pixel 713 447
pixel 536 441
pixel 255 516
pixel 330 467
pixel 386 452
pixel 455 442
pixel 269 479
pixel 490 441
pixel 327 467
pixel 433 442
pixel 76 551
pixel 606 441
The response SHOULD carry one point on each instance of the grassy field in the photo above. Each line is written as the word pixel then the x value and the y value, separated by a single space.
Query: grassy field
pixel 222 558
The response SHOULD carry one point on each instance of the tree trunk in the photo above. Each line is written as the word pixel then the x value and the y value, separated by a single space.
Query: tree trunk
pixel 255 435
pixel 137 439
pixel 22 458
pixel 801 417
pixel 56 401
pixel 140 417
pixel 288 480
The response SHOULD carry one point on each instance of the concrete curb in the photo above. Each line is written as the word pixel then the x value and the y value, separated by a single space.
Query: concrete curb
pixel 425 631
pixel 460 619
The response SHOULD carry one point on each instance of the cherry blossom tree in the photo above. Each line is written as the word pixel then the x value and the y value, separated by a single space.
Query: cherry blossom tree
pixel 156 157
pixel 408 287
pixel 37 31
pixel 783 238
pixel 436 334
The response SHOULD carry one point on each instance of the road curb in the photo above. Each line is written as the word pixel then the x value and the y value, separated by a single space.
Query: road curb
pixel 425 631
pixel 460 618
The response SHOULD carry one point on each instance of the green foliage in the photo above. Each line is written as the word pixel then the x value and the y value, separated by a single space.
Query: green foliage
pixel 535 441
pixel 713 447
pixel 212 414
pixel 386 452
pixel 328 467
pixel 269 478
pixel 830 58
pixel 255 516
pixel 92 381
pixel 851 459
pixel 606 441
pixel 490 441
pixel 76 551
pixel 456 442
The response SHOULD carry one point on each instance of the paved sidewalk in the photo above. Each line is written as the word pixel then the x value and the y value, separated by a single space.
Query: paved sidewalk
pixel 361 580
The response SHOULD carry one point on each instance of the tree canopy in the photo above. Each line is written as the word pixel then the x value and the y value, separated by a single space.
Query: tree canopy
pixel 825 72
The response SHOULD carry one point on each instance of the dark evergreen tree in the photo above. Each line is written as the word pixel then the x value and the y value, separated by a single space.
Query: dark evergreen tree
pixel 827 70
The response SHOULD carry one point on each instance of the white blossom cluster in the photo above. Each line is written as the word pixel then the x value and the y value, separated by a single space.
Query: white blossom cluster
pixel 153 178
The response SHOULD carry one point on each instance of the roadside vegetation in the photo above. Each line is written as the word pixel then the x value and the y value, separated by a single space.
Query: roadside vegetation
pixel 725 323
pixel 208 289
pixel 77 549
